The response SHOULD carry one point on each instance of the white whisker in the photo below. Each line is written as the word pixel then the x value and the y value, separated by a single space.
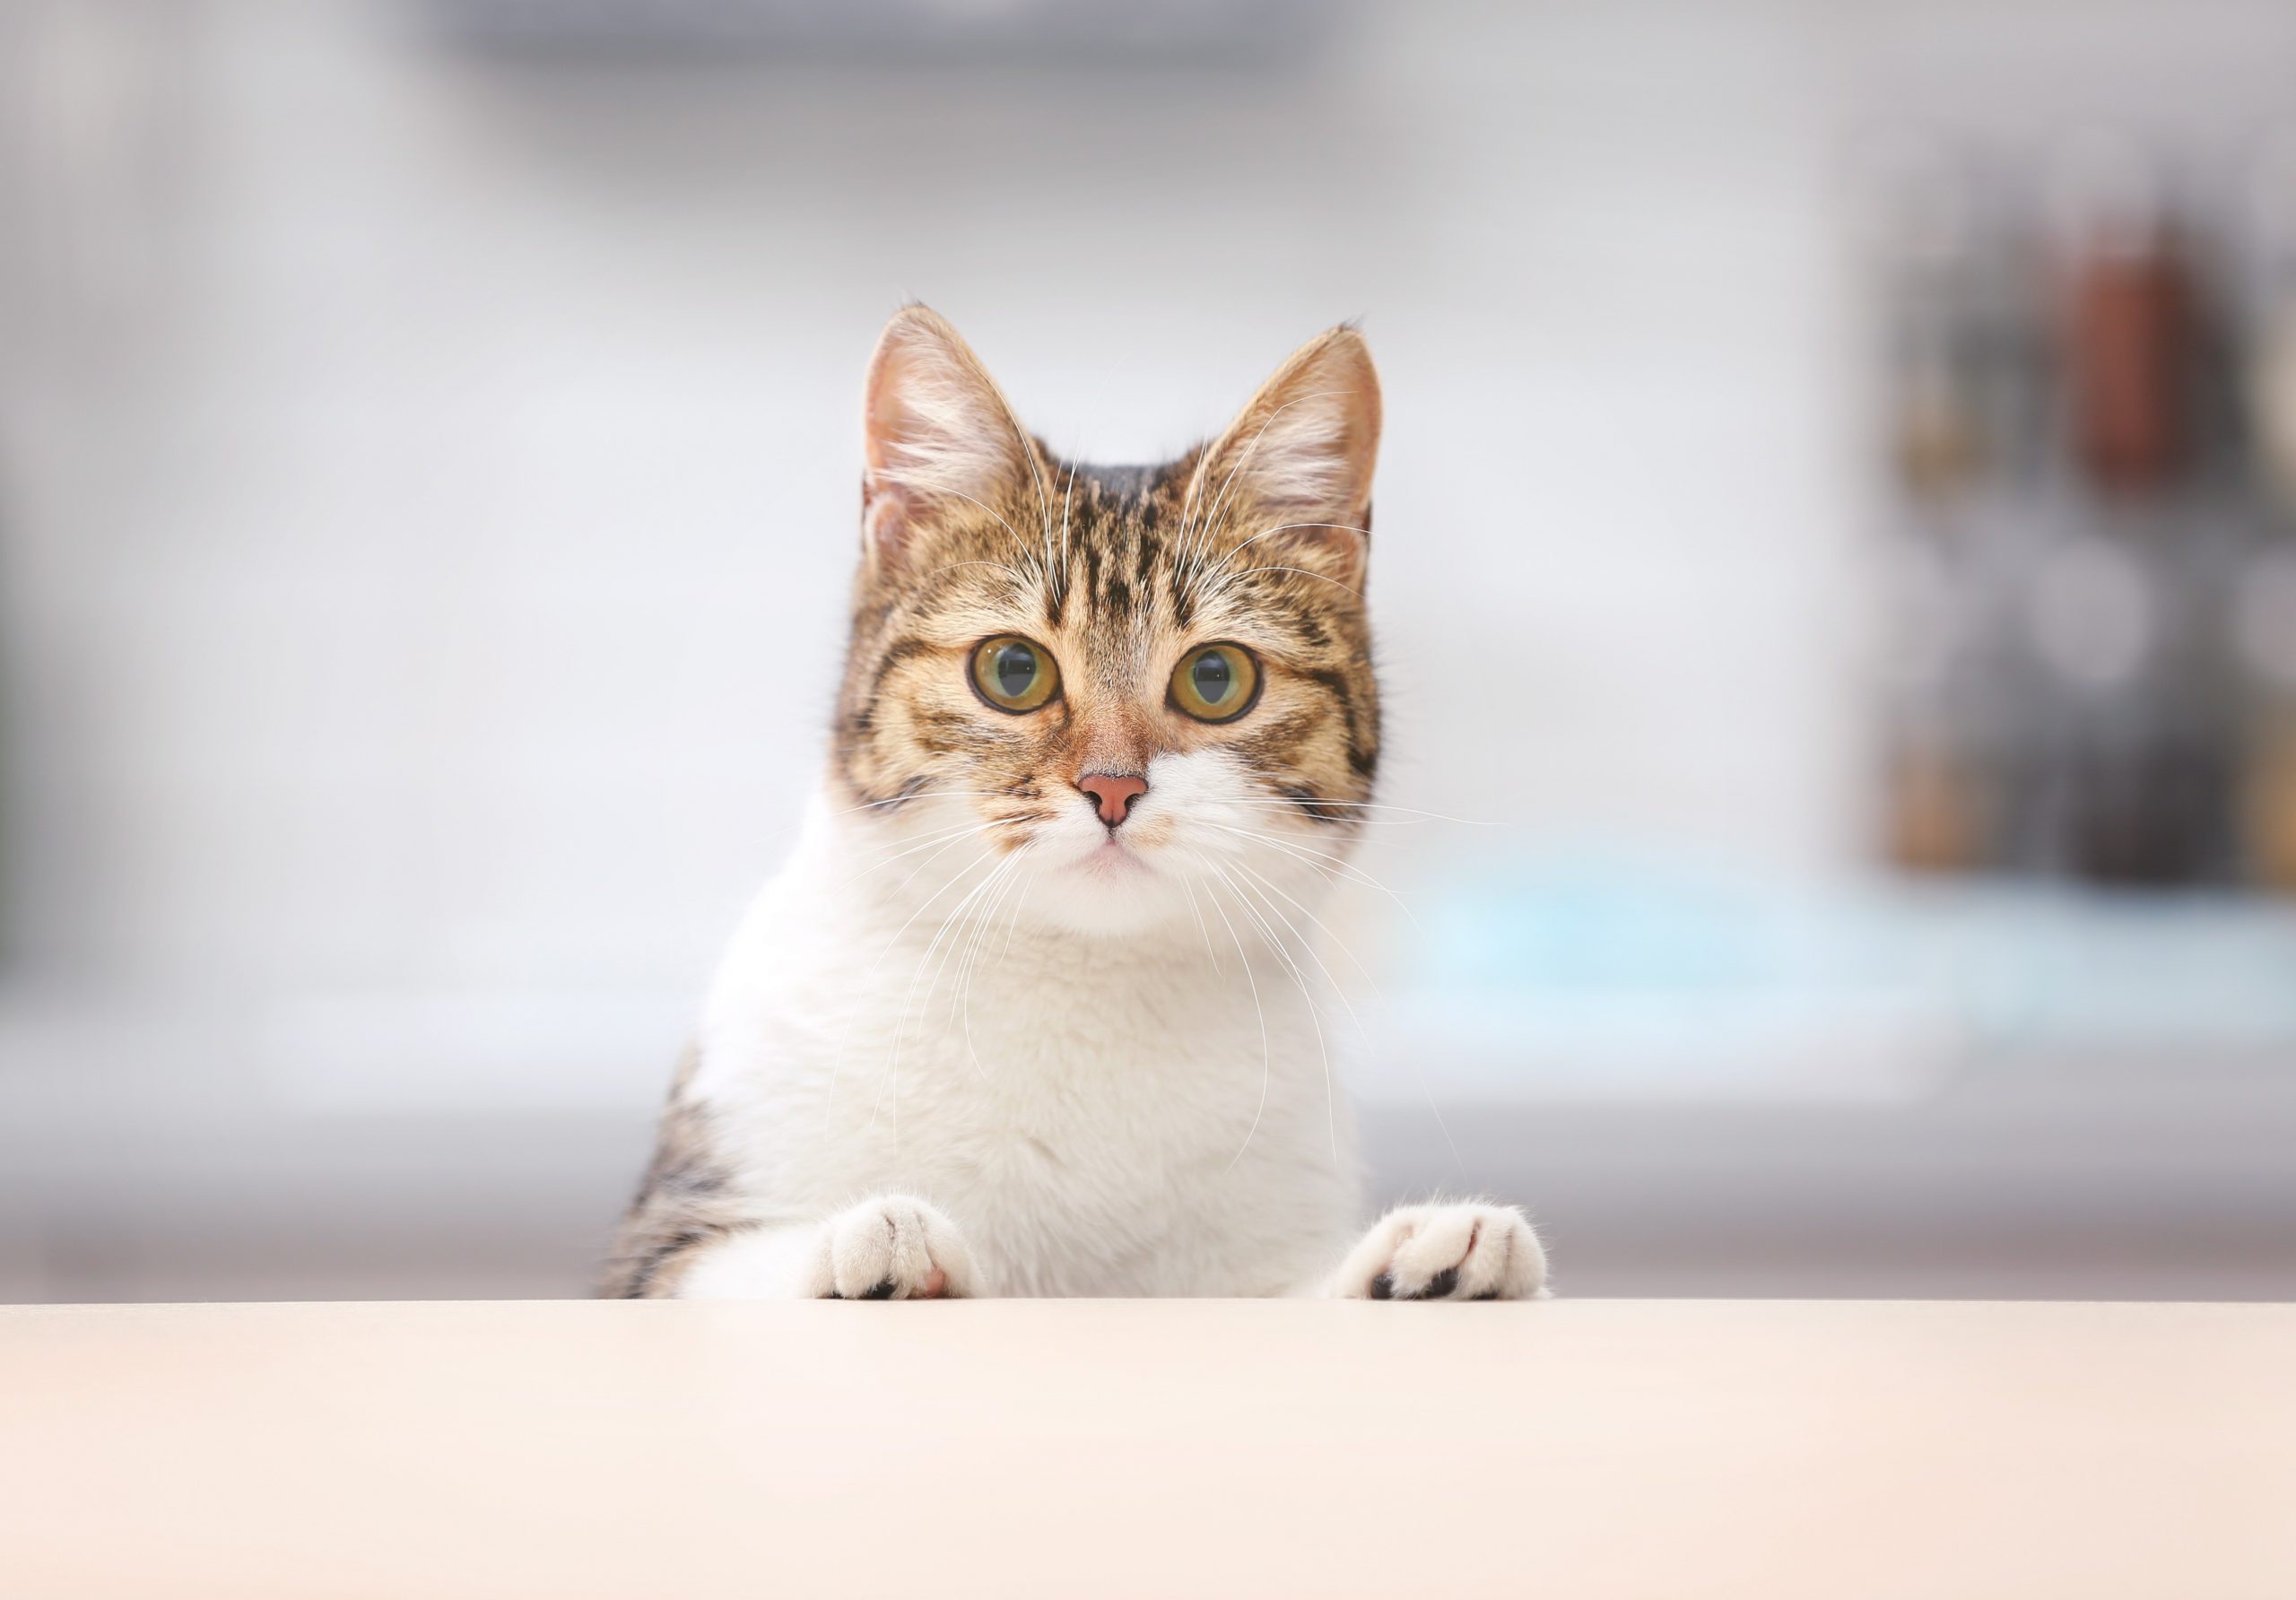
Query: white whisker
pixel 1418 1072
pixel 1269 886
pixel 1210 954
pixel 1012 923
pixel 1025 546
pixel 1286 802
pixel 1232 579
pixel 1243 958
pixel 942 837
pixel 1065 499
pixel 1015 573
pixel 929 860
pixel 909 999
pixel 1044 505
pixel 1283 528
pixel 926 793
pixel 962 1002
pixel 1337 866
pixel 845 1046
pixel 1314 1019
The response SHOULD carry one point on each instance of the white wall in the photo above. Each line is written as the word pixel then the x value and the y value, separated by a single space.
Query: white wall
pixel 429 480
pixel 441 582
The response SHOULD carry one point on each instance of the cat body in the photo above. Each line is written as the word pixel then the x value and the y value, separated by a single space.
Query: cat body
pixel 1094 1114
pixel 1037 1007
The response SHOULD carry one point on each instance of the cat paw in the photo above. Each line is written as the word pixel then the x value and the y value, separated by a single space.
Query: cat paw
pixel 1459 1252
pixel 890 1247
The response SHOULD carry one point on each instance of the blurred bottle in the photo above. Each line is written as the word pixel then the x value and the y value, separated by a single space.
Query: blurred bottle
pixel 2263 635
pixel 1957 378
pixel 2269 808
pixel 1937 815
pixel 1933 412
pixel 2121 623
pixel 2264 605
pixel 2128 319
pixel 1937 819
pixel 1954 400
pixel 2271 365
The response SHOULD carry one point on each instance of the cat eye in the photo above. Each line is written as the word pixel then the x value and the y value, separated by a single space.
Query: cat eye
pixel 1012 674
pixel 1216 682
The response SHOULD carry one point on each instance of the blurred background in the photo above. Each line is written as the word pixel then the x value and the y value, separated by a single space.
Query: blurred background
pixel 1837 565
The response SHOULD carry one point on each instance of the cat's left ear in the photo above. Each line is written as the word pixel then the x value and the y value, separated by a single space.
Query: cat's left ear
pixel 1300 458
pixel 940 436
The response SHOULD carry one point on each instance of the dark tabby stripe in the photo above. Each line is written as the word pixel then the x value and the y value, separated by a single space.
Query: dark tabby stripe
pixel 683 1203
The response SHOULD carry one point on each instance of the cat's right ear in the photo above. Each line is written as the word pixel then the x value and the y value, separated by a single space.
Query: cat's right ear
pixel 940 435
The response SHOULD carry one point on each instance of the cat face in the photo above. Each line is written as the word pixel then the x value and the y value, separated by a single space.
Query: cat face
pixel 1122 697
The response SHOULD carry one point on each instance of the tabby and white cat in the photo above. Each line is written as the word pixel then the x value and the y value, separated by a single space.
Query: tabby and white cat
pixel 1028 1011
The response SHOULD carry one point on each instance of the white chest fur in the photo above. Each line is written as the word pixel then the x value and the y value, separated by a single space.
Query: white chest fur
pixel 1145 1114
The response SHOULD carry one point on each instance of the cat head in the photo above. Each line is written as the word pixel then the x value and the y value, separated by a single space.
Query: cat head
pixel 1129 695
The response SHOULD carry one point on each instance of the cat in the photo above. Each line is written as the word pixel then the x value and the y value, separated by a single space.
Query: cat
pixel 1028 1010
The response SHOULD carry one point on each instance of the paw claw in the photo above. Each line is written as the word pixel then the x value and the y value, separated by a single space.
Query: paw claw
pixel 892 1248
pixel 1459 1252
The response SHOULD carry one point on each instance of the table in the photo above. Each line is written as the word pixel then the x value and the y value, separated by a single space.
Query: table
pixel 1111 1448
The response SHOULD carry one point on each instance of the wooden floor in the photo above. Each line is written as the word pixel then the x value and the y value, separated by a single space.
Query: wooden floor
pixel 1106 1449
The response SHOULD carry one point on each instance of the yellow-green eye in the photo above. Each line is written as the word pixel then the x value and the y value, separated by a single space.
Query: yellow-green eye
pixel 1014 675
pixel 1216 683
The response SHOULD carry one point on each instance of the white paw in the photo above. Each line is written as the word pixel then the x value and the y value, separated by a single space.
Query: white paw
pixel 1461 1252
pixel 890 1247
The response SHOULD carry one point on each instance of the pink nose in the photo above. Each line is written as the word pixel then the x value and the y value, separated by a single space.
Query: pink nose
pixel 1112 792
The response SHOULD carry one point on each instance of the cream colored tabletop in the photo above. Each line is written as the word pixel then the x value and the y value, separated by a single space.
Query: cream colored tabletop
pixel 1090 1449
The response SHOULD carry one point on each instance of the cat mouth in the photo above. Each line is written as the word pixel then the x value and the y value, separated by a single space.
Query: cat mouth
pixel 1112 858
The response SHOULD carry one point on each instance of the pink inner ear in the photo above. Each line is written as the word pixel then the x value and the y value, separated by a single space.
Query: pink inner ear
pixel 935 427
pixel 890 423
pixel 934 417
pixel 886 509
pixel 1304 448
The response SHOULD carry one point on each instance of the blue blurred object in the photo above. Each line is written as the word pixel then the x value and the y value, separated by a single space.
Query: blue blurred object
pixel 1621 973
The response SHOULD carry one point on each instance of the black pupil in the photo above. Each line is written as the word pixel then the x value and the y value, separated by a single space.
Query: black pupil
pixel 1212 677
pixel 1015 669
